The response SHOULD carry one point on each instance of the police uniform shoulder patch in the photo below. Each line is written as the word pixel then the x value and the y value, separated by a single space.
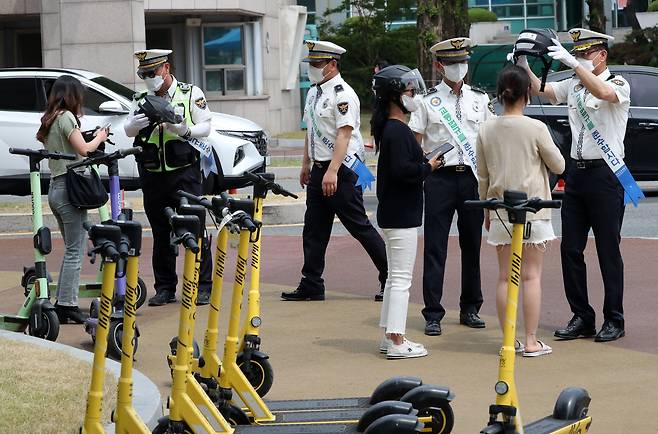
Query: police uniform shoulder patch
pixel 435 101
pixel 184 87
pixel 338 88
pixel 618 82
pixel 201 103
pixel 343 107
pixel 578 87
pixel 431 91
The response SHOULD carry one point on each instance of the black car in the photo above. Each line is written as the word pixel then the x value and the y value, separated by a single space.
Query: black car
pixel 641 139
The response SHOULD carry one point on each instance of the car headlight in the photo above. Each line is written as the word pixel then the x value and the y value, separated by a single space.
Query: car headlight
pixel 258 138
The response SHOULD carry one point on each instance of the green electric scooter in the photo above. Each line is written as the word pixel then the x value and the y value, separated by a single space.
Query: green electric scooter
pixel 37 314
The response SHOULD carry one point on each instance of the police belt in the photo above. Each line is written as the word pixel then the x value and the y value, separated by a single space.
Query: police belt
pixel 589 164
pixel 456 168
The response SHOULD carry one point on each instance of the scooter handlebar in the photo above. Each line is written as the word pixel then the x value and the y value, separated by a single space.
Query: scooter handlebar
pixel 269 185
pixel 43 153
pixel 195 199
pixel 530 205
pixel 103 158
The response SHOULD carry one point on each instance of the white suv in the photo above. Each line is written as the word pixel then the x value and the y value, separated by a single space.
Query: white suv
pixel 239 144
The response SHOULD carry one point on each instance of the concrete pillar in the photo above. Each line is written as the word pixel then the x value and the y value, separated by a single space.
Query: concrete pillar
pixel 99 36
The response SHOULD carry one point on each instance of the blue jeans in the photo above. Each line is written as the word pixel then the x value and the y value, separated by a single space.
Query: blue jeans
pixel 69 220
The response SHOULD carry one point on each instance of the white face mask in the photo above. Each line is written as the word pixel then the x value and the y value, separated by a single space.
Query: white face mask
pixel 409 102
pixel 455 72
pixel 154 84
pixel 316 75
pixel 588 64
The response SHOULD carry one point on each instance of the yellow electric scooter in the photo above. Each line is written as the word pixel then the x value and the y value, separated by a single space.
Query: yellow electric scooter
pixel 570 412
pixel 312 416
pixel 190 408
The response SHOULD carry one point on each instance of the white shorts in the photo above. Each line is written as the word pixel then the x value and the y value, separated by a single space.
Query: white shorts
pixel 541 231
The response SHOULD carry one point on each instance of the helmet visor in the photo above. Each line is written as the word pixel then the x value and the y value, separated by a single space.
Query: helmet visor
pixel 413 81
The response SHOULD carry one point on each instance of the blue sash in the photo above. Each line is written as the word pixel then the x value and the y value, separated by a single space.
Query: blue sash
pixel 632 192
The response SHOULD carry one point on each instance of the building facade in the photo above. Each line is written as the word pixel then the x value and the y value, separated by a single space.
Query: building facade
pixel 244 54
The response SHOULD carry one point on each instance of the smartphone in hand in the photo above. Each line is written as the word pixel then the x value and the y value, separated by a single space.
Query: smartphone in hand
pixel 440 151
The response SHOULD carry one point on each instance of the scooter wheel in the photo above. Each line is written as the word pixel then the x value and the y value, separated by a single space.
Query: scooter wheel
pixel 115 338
pixel 235 416
pixel 573 403
pixel 94 308
pixel 258 371
pixel 443 419
pixel 141 292
pixel 49 326
pixel 163 427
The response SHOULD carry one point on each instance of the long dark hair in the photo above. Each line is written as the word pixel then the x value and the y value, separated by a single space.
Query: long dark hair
pixel 66 94
pixel 380 112
pixel 513 84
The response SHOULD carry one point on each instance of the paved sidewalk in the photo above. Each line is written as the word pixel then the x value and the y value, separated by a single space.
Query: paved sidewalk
pixel 329 349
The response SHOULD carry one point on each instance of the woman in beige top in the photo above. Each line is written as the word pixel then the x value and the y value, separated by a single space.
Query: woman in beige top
pixel 514 152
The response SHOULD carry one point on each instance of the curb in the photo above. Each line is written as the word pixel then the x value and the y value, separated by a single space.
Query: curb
pixel 273 214
pixel 146 397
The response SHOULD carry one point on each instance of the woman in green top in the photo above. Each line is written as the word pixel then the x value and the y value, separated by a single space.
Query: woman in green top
pixel 60 131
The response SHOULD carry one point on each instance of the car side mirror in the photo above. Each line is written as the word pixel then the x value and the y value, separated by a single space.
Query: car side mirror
pixel 112 107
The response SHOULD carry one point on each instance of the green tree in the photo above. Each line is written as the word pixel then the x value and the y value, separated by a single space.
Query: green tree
pixel 366 37
pixel 596 19
pixel 438 20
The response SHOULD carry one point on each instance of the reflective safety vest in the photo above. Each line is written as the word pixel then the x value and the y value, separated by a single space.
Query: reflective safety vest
pixel 162 150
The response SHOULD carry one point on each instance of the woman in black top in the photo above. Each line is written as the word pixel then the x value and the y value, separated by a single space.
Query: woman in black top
pixel 401 170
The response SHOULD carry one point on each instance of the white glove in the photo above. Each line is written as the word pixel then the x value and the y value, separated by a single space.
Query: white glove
pixel 134 123
pixel 522 61
pixel 179 129
pixel 560 53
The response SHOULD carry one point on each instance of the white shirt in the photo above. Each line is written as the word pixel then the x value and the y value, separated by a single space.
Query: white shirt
pixel 198 105
pixel 330 106
pixel 475 109
pixel 610 118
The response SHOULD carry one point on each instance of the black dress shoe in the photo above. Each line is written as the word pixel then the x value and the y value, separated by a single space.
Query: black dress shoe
pixel 471 320
pixel 380 295
pixel 611 331
pixel 203 298
pixel 302 295
pixel 433 328
pixel 162 297
pixel 73 313
pixel 577 328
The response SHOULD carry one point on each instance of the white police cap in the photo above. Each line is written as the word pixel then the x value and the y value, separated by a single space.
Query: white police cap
pixel 149 59
pixel 452 50
pixel 583 39
pixel 322 50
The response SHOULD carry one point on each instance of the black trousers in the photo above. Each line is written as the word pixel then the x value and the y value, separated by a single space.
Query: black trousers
pixel 445 193
pixel 347 204
pixel 159 191
pixel 593 198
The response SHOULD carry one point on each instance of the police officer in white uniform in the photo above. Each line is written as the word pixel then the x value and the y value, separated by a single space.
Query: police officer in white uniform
pixel 169 163
pixel 447 188
pixel 593 196
pixel 332 114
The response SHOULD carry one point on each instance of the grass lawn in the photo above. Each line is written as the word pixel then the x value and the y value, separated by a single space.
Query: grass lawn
pixel 45 391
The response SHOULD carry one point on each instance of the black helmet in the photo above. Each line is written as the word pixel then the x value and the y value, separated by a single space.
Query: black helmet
pixel 395 79
pixel 535 43
pixel 158 110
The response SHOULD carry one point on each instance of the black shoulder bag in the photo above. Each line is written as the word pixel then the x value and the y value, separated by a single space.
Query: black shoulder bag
pixel 86 191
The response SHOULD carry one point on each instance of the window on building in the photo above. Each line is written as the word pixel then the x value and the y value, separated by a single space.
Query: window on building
pixel 224 59
pixel 310 10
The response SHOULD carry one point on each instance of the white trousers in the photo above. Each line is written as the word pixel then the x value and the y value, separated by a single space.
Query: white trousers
pixel 401 256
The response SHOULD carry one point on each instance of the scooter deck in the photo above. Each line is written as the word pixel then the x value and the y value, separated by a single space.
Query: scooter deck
pixel 325 428
pixel 318 404
pixel 549 425
pixel 303 416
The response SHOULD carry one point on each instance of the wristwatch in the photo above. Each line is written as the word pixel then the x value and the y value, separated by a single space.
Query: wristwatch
pixel 187 134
